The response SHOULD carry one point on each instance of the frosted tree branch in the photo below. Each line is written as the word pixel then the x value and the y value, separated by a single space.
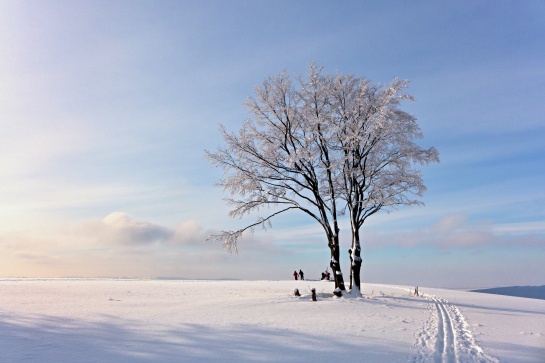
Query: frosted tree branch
pixel 229 239
pixel 325 144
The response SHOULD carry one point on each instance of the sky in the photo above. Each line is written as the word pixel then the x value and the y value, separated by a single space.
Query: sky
pixel 106 109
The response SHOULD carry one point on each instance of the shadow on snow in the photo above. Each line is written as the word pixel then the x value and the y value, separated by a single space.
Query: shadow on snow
pixel 51 339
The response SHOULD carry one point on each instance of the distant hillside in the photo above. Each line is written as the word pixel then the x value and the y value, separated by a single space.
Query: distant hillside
pixel 532 292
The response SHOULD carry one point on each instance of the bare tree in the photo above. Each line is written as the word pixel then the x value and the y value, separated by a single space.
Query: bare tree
pixel 281 159
pixel 379 153
pixel 335 137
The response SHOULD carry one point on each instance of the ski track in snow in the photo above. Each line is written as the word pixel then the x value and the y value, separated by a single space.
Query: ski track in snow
pixel 446 337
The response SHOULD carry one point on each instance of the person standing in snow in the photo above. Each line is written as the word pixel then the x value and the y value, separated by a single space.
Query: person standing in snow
pixel 295 274
pixel 301 274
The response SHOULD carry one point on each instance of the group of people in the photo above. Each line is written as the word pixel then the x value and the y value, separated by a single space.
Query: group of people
pixel 300 274
pixel 325 275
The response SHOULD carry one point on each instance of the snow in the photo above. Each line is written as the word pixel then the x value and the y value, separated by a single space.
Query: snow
pixel 90 320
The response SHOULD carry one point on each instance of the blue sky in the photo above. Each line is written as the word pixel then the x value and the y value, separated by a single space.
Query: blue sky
pixel 106 108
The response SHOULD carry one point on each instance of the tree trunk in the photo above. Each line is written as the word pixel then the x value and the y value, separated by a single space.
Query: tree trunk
pixel 351 268
pixel 334 263
pixel 355 260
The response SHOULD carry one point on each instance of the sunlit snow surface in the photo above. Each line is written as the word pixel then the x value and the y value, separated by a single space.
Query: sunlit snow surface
pixel 109 320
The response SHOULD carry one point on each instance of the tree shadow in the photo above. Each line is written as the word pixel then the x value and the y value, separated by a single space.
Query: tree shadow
pixel 519 353
pixel 54 339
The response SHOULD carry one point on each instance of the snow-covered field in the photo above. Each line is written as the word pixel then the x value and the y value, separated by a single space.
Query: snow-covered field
pixel 110 320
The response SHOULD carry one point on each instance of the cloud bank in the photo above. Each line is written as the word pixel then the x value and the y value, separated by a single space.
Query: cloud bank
pixel 121 245
pixel 456 231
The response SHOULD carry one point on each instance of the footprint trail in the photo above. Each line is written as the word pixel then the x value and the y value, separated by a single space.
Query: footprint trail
pixel 446 337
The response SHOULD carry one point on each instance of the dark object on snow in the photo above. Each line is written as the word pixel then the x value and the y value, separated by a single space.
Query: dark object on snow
pixel 301 274
pixel 313 290
pixel 326 275
pixel 296 292
pixel 416 292
pixel 337 292
pixel 295 274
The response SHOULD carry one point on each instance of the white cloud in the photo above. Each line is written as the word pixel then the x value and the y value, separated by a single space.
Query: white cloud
pixel 188 233
pixel 122 228
pixel 521 228
pixel 455 231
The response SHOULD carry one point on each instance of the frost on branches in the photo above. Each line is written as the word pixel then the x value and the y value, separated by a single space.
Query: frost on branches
pixel 322 145
pixel 377 152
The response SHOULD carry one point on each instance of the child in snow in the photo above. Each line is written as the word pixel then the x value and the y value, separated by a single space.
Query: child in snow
pixel 295 274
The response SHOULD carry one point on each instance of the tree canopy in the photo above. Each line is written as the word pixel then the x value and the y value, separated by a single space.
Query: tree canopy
pixel 322 145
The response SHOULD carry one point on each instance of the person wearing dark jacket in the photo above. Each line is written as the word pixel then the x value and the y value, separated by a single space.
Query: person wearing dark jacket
pixel 301 274
pixel 295 274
